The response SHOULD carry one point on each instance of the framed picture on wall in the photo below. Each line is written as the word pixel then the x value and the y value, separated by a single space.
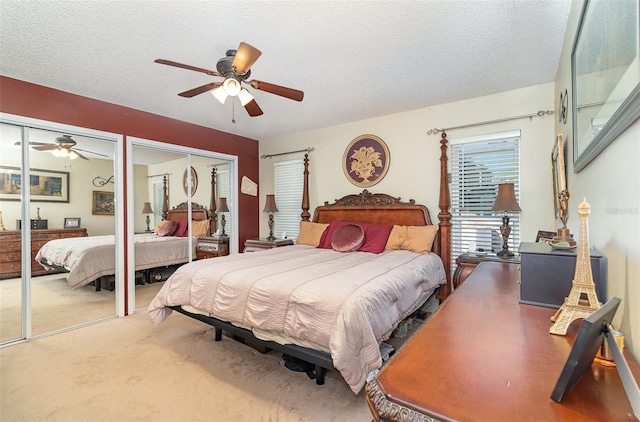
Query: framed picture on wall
pixel 366 161
pixel 71 223
pixel 44 185
pixel 103 203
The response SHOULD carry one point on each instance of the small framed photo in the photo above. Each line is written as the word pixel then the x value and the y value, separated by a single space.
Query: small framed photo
pixel 545 236
pixel 72 223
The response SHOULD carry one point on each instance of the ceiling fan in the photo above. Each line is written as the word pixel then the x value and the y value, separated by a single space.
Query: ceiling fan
pixel 235 68
pixel 64 147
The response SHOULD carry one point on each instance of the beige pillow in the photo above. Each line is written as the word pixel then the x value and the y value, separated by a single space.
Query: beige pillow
pixel 397 235
pixel 162 223
pixel 419 238
pixel 199 228
pixel 310 233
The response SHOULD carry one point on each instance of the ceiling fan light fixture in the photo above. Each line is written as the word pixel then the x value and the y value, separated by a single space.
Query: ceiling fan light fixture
pixel 245 97
pixel 231 87
pixel 62 152
pixel 220 94
pixel 73 155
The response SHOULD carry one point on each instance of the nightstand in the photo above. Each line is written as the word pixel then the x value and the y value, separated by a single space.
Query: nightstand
pixel 468 261
pixel 211 247
pixel 253 245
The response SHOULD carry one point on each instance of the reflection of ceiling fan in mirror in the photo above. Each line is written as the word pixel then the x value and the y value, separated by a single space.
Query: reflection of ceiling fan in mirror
pixel 64 147
pixel 235 69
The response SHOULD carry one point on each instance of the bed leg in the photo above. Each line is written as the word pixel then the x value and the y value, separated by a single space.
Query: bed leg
pixel 319 375
pixel 218 332
pixel 97 284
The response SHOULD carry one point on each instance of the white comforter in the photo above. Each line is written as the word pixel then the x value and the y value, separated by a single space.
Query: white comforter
pixel 87 258
pixel 346 302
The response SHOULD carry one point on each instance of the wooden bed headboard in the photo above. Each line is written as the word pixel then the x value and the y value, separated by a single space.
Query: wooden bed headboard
pixel 181 212
pixel 385 209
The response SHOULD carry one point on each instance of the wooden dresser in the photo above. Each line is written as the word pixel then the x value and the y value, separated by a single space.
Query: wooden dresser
pixel 483 356
pixel 11 249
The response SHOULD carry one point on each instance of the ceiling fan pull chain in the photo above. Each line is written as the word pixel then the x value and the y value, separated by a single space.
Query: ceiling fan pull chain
pixel 233 110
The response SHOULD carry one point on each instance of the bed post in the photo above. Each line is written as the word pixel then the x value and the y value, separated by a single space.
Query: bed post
pixel 165 199
pixel 212 204
pixel 305 191
pixel 445 220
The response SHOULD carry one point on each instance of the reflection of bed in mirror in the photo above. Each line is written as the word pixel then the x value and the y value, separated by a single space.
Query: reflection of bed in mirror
pixel 325 305
pixel 87 259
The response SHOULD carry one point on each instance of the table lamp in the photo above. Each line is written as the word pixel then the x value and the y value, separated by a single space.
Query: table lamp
pixel 147 210
pixel 270 207
pixel 505 201
pixel 222 208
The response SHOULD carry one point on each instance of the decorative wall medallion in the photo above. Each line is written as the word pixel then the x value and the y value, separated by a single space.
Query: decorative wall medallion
pixel 194 181
pixel 366 161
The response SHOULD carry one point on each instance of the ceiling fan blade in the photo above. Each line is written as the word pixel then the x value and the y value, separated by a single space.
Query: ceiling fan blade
pixel 282 91
pixel 45 147
pixel 253 108
pixel 90 152
pixel 188 67
pixel 200 90
pixel 32 143
pixel 246 56
pixel 80 155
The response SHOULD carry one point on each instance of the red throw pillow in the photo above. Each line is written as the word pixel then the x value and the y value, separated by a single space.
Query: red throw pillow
pixel 348 238
pixel 182 229
pixel 168 228
pixel 375 237
pixel 327 235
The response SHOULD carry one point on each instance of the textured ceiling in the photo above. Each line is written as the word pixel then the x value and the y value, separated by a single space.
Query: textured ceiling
pixel 353 60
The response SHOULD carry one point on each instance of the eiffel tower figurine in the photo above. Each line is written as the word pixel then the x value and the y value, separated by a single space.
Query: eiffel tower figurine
pixel 582 299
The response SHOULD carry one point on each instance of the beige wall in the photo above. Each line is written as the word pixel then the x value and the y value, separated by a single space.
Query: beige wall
pixel 611 185
pixel 415 165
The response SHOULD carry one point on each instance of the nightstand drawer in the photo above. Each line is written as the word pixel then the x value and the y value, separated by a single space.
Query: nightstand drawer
pixel 211 247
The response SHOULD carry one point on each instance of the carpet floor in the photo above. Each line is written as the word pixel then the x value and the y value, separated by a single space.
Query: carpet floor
pixel 128 370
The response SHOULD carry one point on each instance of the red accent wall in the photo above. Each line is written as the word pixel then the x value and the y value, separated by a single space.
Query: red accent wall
pixel 39 102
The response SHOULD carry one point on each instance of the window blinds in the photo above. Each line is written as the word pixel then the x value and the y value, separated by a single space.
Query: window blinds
pixel 476 170
pixel 289 180
pixel 224 191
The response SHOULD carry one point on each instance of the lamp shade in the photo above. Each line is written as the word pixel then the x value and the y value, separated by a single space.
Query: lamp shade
pixel 147 208
pixel 270 204
pixel 506 199
pixel 222 205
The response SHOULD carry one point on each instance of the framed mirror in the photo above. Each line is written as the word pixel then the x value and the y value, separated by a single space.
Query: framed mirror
pixel 605 71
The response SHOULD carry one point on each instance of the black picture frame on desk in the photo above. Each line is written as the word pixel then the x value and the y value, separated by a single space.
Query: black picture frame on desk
pixel 593 330
pixel 544 236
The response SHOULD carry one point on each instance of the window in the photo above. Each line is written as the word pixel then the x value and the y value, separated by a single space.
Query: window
pixel 224 191
pixel 157 202
pixel 289 180
pixel 478 165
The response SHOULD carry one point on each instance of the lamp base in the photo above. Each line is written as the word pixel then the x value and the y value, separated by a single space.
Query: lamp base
pixel 271 238
pixel 505 253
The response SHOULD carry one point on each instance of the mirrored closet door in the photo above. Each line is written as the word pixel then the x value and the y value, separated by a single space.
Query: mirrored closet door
pixel 45 286
pixel 168 181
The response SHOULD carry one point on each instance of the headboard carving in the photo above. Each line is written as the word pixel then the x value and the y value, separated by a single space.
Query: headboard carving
pixel 368 198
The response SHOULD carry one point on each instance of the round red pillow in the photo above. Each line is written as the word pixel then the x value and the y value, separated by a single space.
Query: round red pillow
pixel 168 228
pixel 348 238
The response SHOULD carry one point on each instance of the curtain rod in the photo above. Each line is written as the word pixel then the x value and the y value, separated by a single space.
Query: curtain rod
pixel 310 149
pixel 530 116
pixel 156 175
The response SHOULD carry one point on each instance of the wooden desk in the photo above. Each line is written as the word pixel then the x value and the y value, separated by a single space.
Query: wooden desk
pixel 484 357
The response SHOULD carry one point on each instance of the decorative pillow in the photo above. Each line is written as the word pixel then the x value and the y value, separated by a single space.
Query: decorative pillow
pixel 310 233
pixel 327 235
pixel 420 238
pixel 396 237
pixel 199 228
pixel 375 237
pixel 348 238
pixel 162 223
pixel 167 228
pixel 182 230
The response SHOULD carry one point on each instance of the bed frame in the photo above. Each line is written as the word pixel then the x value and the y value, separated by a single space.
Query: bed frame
pixel 366 208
